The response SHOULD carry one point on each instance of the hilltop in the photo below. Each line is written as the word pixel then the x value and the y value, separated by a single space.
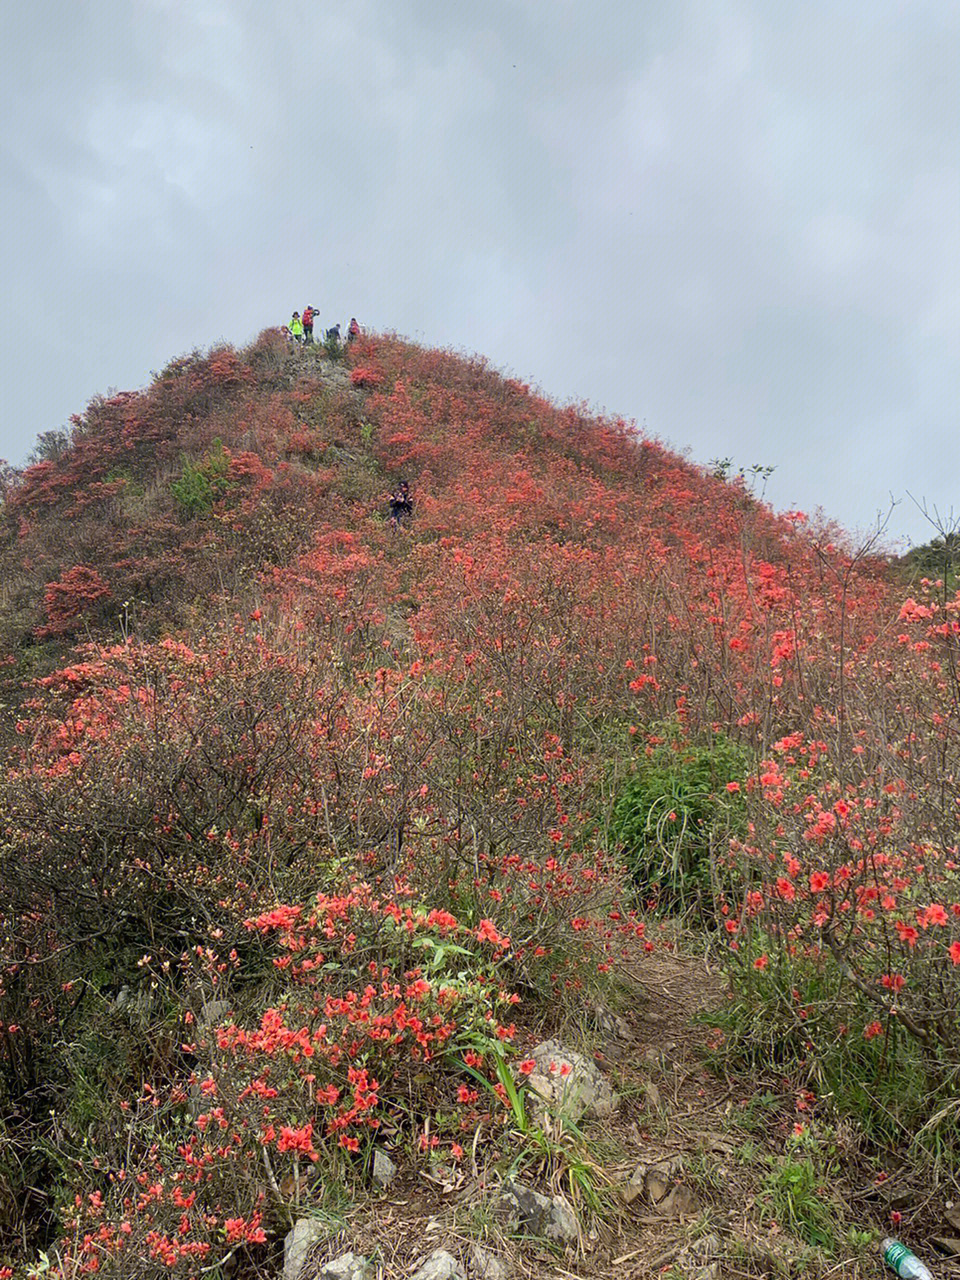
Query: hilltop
pixel 316 826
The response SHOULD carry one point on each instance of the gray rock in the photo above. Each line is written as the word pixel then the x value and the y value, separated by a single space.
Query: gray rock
pixel 440 1266
pixel 307 1233
pixel 384 1169
pixel 562 1224
pixel 697 1260
pixel 611 1024
pixel 349 1266
pixel 521 1208
pixel 486 1265
pixel 582 1091
pixel 134 1003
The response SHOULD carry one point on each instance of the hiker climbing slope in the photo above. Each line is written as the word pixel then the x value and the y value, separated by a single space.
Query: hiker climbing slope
pixel 296 327
pixel 308 316
pixel 400 503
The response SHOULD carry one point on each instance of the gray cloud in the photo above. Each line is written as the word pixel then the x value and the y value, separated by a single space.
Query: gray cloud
pixel 738 223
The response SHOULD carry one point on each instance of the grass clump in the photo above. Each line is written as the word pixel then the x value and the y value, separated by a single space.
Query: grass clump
pixel 795 1191
pixel 672 815
pixel 201 483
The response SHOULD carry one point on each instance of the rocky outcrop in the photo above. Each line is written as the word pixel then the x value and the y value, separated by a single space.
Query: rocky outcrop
pixel 566 1083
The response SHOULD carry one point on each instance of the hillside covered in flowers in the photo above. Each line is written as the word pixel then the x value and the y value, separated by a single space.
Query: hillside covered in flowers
pixel 309 818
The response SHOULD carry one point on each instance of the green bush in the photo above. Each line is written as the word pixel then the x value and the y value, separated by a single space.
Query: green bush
pixel 201 483
pixel 674 812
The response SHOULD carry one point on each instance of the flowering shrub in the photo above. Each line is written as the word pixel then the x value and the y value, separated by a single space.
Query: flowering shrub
pixel 848 939
pixel 76 593
pixel 322 1067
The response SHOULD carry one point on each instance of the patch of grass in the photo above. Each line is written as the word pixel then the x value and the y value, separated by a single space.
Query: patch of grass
pixel 795 1193
pixel 756 1114
pixel 672 813
pixel 201 483
pixel 703 1171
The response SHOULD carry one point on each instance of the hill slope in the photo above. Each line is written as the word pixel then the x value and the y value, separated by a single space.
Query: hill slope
pixel 319 804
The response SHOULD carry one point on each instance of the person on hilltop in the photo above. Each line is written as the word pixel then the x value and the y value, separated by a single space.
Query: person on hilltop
pixel 308 315
pixel 353 331
pixel 400 504
pixel 296 327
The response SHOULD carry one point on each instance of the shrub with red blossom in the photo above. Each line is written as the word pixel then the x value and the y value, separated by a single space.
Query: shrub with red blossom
pixel 363 376
pixel 75 594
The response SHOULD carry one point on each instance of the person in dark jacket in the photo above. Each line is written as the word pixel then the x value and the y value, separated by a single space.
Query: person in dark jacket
pixel 400 504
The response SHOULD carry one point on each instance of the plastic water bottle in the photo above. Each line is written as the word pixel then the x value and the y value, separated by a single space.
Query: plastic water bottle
pixel 899 1259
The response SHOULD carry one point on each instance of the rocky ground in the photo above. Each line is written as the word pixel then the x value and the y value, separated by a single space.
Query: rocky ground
pixel 680 1174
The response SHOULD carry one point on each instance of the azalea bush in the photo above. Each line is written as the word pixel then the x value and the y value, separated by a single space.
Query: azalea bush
pixel 289 1087
pixel 180 790
pixel 847 943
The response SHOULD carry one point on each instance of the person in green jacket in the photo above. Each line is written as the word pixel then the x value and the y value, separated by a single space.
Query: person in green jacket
pixel 296 327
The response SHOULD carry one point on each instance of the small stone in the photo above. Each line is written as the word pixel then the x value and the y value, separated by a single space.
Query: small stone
pixel 486 1265
pixel 611 1024
pixel 562 1224
pixel 652 1094
pixel 440 1266
pixel 706 1247
pixel 664 1189
pixel 697 1258
pixel 660 1184
pixel 630 1190
pixel 521 1208
pixel 307 1233
pixel 384 1169
pixel 349 1266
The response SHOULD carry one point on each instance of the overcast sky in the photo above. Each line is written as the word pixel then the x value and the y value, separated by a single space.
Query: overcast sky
pixel 737 223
